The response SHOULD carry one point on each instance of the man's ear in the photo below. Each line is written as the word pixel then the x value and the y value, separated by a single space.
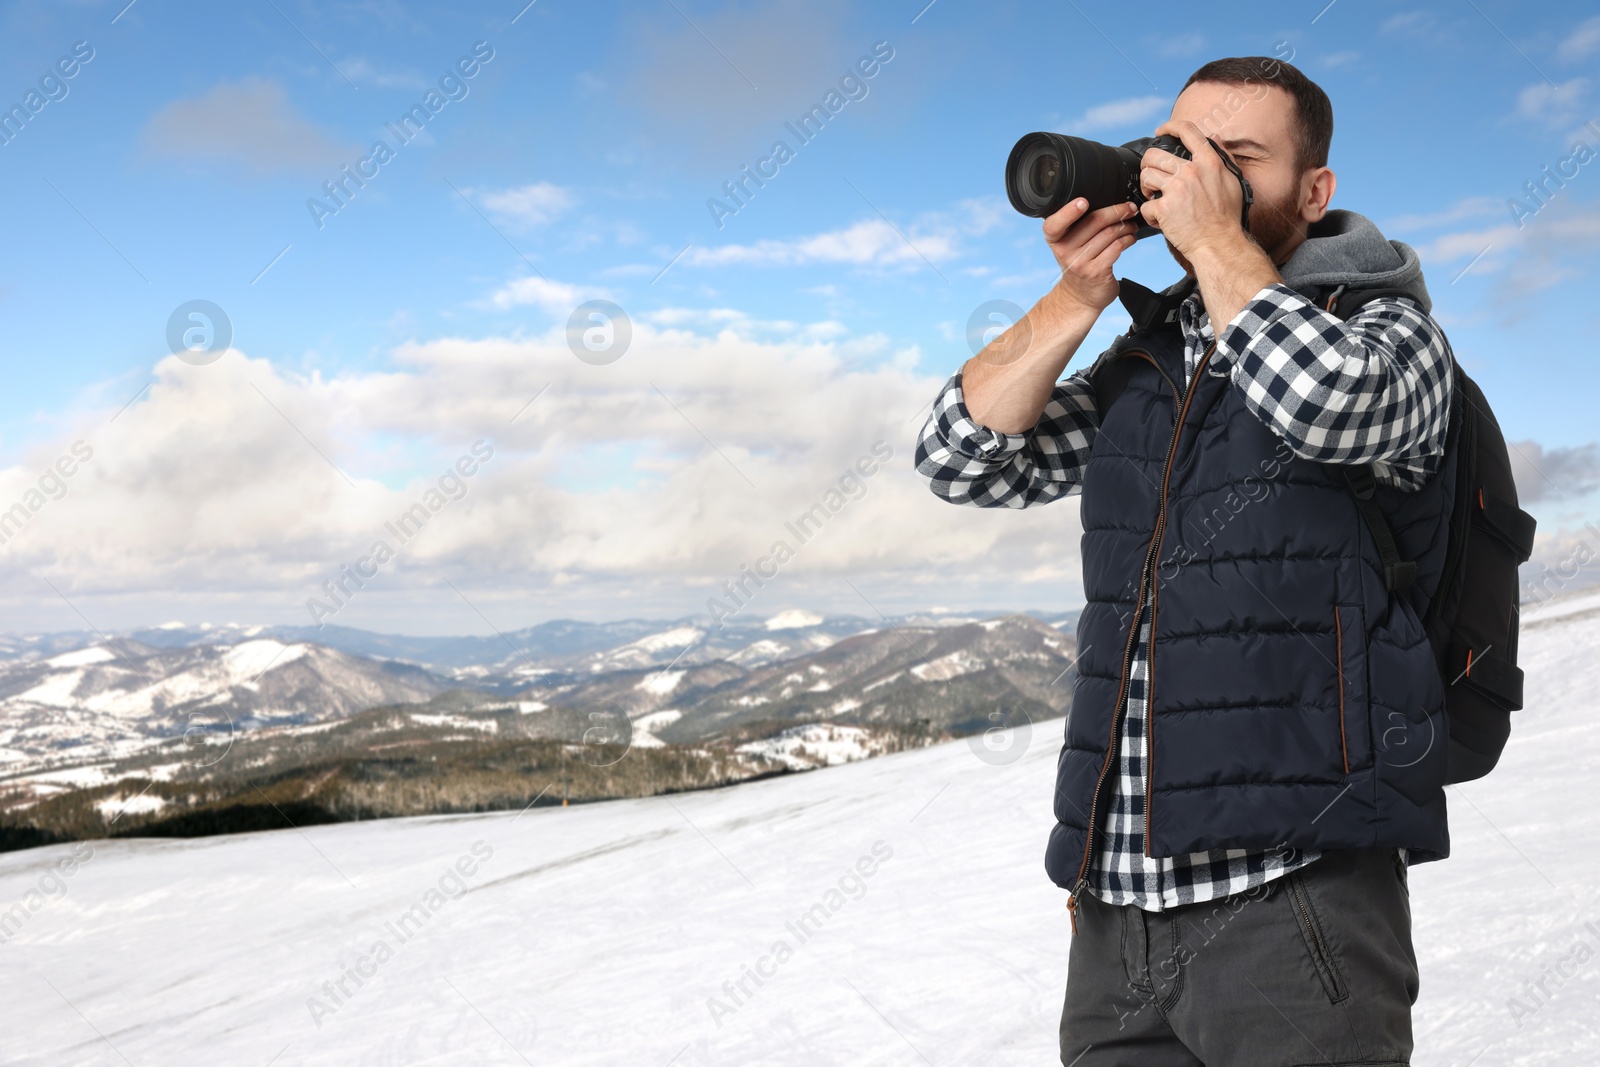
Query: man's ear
pixel 1317 190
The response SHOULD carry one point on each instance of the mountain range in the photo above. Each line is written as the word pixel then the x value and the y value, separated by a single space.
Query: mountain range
pixel 181 706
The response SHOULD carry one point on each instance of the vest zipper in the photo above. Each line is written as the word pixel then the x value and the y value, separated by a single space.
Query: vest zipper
pixel 1180 408
pixel 1155 596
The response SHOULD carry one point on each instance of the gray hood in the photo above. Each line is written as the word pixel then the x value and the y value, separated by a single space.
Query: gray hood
pixel 1345 248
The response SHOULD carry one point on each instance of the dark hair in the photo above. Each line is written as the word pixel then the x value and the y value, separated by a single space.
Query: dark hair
pixel 1313 110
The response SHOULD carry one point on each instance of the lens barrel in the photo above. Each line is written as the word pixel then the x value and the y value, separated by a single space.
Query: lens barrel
pixel 1046 170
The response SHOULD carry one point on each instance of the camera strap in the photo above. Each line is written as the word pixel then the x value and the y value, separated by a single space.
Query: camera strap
pixel 1244 185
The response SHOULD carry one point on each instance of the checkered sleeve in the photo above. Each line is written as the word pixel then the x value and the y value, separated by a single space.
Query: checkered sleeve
pixel 967 463
pixel 1371 389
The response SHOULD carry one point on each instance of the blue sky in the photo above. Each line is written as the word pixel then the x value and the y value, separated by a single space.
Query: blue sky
pixel 769 352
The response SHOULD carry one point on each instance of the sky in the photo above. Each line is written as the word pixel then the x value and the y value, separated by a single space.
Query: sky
pixel 259 314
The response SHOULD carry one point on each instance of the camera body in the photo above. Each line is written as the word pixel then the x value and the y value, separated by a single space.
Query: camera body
pixel 1047 170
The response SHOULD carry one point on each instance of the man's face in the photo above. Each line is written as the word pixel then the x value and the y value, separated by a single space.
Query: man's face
pixel 1255 125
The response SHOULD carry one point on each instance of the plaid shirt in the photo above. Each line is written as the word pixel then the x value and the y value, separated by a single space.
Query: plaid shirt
pixel 1371 389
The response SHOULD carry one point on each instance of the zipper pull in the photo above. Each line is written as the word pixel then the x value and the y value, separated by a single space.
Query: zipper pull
pixel 1072 904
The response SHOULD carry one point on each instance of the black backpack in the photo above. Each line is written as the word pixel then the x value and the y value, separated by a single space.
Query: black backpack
pixel 1472 617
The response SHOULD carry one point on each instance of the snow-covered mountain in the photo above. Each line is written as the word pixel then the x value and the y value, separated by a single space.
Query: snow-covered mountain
pixel 72 698
pixel 608 933
pixel 563 644
pixel 114 697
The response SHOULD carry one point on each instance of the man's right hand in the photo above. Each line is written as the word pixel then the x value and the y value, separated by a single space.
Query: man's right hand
pixel 1007 385
pixel 1087 246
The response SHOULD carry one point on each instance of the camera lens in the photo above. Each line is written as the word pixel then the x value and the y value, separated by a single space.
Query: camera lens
pixel 1046 170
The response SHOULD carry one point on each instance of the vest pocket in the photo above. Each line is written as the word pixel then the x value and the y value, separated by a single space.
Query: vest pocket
pixel 1350 686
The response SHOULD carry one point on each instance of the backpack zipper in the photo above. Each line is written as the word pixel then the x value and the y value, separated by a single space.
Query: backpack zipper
pixel 1180 408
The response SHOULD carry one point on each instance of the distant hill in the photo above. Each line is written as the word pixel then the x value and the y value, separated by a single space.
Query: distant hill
pixel 176 731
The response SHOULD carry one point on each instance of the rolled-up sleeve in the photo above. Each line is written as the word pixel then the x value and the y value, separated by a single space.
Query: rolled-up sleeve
pixel 1375 388
pixel 967 463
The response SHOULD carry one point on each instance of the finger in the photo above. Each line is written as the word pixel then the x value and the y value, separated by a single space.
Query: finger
pixel 1160 159
pixel 1107 258
pixel 1097 222
pixel 1056 225
pixel 1152 179
pixel 1150 211
pixel 1086 225
pixel 1092 248
pixel 1192 136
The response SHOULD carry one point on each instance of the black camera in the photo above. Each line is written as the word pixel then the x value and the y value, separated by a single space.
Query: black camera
pixel 1047 170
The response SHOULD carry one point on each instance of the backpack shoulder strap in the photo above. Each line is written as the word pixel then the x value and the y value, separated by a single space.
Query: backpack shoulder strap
pixel 1397 573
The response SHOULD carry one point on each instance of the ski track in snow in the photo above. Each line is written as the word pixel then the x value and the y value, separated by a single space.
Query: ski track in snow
pixel 596 934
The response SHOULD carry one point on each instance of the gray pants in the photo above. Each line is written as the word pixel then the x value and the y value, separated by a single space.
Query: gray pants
pixel 1313 968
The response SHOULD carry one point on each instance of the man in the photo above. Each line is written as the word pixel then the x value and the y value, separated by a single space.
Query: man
pixel 1249 760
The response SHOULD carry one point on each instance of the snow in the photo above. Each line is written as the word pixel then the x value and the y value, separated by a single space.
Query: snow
pixel 946 667
pixel 661 682
pixel 814 745
pixel 527 707
pixel 56 691
pixel 793 620
pixel 881 681
pixel 140 804
pixel 765 649
pixel 674 638
pixel 458 721
pixel 595 935
pixel 645 725
pixel 250 658
pixel 83 657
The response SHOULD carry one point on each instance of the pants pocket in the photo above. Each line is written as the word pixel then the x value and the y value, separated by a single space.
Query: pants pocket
pixel 1316 940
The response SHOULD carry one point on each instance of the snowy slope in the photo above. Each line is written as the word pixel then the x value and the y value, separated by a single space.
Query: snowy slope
pixel 596 935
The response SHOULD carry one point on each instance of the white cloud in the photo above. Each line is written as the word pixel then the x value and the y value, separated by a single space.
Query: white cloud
pixel 365 72
pixel 1339 59
pixel 1552 105
pixel 542 292
pixel 250 122
pixel 1117 115
pixel 1552 246
pixel 933 238
pixel 1416 22
pixel 1180 45
pixel 1472 207
pixel 526 205
pixel 1582 42
pixel 202 488
pixel 871 241
pixel 1553 473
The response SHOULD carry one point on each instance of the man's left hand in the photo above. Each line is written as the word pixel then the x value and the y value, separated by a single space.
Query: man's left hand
pixel 1200 200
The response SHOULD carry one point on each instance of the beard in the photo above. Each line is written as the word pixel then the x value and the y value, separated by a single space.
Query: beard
pixel 1272 225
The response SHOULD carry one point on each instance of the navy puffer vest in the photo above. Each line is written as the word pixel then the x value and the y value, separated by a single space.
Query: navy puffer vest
pixel 1293 699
